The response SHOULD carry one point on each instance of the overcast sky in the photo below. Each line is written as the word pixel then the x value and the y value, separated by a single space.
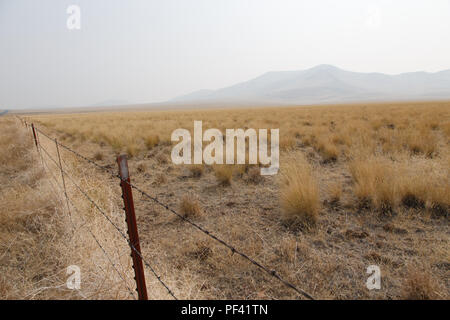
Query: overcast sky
pixel 148 51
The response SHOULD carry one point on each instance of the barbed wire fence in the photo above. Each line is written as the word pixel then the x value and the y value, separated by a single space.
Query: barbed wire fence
pixel 132 239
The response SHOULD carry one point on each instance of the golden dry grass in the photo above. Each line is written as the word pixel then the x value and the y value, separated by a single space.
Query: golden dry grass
pixel 38 237
pixel 299 194
pixel 224 174
pixel 335 192
pixel 375 183
pixel 189 207
pixel 419 285
pixel 196 170
pixel 371 181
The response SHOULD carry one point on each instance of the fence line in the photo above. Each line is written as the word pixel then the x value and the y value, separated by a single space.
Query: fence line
pixel 46 167
pixel 273 273
pixel 111 222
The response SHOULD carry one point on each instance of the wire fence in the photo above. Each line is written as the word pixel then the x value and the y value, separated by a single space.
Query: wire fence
pixel 133 245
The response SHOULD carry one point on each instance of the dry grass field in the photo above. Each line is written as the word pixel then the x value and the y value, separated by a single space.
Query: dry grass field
pixel 38 238
pixel 358 185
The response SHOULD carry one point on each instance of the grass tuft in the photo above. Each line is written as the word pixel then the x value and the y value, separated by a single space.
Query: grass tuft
pixel 299 194
pixel 190 207
pixel 224 174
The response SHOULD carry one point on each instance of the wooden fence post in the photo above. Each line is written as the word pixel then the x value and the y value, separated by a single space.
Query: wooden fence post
pixel 127 196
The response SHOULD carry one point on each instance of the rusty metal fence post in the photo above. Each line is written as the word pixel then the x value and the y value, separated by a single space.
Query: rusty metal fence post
pixel 36 141
pixel 127 196
pixel 35 138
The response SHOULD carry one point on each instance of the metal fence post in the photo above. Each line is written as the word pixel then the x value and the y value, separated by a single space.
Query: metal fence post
pixel 127 196
pixel 34 135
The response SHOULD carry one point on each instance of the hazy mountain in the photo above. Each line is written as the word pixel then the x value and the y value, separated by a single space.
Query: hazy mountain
pixel 194 95
pixel 328 84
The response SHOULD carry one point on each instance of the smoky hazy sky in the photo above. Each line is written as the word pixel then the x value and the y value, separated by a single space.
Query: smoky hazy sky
pixel 139 51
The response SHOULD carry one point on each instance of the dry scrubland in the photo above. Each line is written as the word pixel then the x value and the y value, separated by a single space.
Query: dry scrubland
pixel 359 185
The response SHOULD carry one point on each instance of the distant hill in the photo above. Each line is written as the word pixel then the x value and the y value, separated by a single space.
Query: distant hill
pixel 328 84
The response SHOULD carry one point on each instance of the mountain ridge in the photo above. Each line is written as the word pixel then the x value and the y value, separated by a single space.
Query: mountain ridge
pixel 328 84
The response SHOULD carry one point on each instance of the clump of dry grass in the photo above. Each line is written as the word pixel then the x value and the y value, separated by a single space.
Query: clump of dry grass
pixel 308 140
pixel 386 194
pixel 141 167
pixel 413 191
pixel 151 141
pixel 419 285
pixel 98 156
pixel 287 143
pixel 288 249
pixel 160 179
pixel 161 158
pixel 420 142
pixel 335 192
pixel 132 150
pixel 374 183
pixel 224 174
pixel 254 174
pixel 439 200
pixel 340 138
pixel 190 207
pixel 383 183
pixel 199 250
pixel 328 151
pixel 240 170
pixel 299 194
pixel 196 170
